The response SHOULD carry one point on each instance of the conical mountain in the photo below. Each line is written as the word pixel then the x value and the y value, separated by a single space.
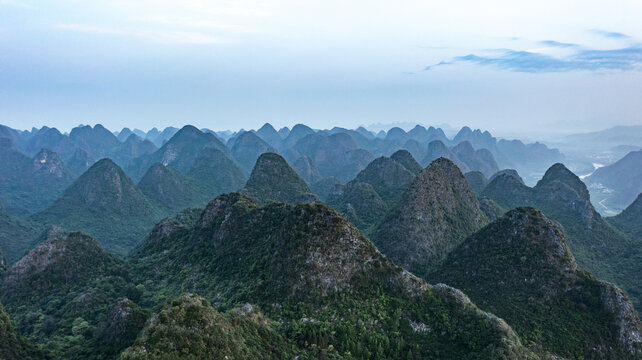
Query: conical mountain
pixel 273 180
pixel 520 268
pixel 98 141
pixel 298 132
pixel 269 135
pixel 308 267
pixel 170 191
pixel 388 177
pixel 132 147
pixel 14 346
pixel 404 158
pixel 246 148
pixel 476 180
pixel 124 134
pixel 437 149
pixel 436 212
pixel 179 152
pixel 51 138
pixel 213 173
pixel 597 246
pixel 511 172
pixel 200 332
pixel 480 159
pixel 103 197
pixel 74 272
pixel 29 184
pixel 630 220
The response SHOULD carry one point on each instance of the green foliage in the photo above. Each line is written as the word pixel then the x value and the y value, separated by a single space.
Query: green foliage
pixel 597 246
pixel 520 268
pixel 63 292
pixel 333 292
pixel 13 345
pixel 630 220
pixel 273 180
pixel 189 328
pixel 101 198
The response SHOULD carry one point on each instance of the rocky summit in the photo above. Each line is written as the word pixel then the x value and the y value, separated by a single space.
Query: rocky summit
pixel 436 212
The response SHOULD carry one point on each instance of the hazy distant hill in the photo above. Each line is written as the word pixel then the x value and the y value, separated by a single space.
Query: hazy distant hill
pixel 616 186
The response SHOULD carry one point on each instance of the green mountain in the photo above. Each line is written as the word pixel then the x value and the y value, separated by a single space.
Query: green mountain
pixel 330 289
pixel 597 246
pixel 246 149
pixel 170 191
pixel 179 152
pixel 307 169
pixel 190 328
pixel 476 180
pixel 630 220
pixel 214 173
pixel 29 184
pixel 105 203
pixel 481 159
pixel 17 235
pixel 269 135
pixel 327 187
pixel 79 162
pixel 273 180
pixel 437 149
pixel 375 190
pixel 520 268
pixel 404 158
pixel 511 172
pixel 436 212
pixel 14 346
pixel 67 294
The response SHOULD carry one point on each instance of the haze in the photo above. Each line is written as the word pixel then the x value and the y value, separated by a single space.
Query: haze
pixel 509 67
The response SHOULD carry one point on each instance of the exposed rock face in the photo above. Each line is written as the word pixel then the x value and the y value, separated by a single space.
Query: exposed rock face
pixel 321 257
pixel 435 213
pixel 49 162
pixel 124 321
pixel 273 180
pixel 521 268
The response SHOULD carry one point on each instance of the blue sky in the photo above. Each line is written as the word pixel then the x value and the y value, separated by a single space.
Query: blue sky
pixel 537 68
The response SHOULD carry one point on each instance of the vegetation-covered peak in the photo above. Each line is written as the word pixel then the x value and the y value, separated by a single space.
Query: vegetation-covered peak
pixel 14 346
pixel 477 181
pixel 407 160
pixel 511 172
pixel 273 180
pixel 189 327
pixel 436 212
pixel 520 268
pixel 558 173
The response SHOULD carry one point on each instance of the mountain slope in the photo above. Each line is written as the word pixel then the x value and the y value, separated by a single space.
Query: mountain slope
pixel 404 158
pixel 520 268
pixel 16 235
pixel 213 173
pixel 29 184
pixel 630 220
pixel 91 318
pixel 246 148
pixel 170 191
pixel 273 180
pixel 14 346
pixel 436 212
pixel 618 184
pixel 189 327
pixel 311 269
pixel 101 197
pixel 597 246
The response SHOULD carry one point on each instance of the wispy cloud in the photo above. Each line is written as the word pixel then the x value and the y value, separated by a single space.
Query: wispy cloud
pixel 610 34
pixel 158 36
pixel 16 3
pixel 557 44
pixel 569 57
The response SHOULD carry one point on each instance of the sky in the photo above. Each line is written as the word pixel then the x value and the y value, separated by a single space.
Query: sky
pixel 512 67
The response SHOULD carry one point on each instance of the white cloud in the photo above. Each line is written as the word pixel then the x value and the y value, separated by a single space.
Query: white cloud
pixel 159 36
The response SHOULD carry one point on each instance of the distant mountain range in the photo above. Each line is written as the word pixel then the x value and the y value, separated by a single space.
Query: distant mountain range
pixel 312 244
